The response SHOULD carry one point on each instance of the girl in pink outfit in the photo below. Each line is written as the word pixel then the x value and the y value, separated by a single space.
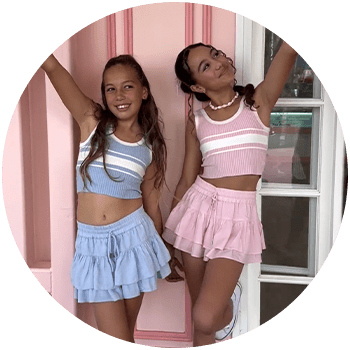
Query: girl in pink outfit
pixel 214 220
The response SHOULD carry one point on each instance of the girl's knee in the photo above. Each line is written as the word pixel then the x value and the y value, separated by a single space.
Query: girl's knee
pixel 204 320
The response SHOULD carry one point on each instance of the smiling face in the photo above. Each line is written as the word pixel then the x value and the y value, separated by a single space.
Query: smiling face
pixel 210 68
pixel 123 91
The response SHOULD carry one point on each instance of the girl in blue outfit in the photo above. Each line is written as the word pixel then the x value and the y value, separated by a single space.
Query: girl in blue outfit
pixel 120 171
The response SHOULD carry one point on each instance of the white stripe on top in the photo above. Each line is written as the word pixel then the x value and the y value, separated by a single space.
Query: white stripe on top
pixel 233 141
pixel 116 161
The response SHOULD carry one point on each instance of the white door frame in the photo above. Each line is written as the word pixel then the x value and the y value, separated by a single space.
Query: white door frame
pixel 249 61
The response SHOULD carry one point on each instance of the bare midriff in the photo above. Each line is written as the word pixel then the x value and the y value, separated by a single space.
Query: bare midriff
pixel 97 209
pixel 238 183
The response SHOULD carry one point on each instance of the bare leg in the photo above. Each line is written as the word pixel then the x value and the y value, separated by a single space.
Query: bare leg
pixel 194 271
pixel 117 319
pixel 212 310
pixel 132 310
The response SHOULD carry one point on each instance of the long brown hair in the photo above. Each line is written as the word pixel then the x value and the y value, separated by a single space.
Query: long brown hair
pixel 184 74
pixel 148 118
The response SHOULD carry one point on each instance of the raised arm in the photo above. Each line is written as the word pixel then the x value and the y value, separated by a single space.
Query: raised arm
pixel 80 106
pixel 269 90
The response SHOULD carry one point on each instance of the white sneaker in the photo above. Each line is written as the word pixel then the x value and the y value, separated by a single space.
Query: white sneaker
pixel 236 298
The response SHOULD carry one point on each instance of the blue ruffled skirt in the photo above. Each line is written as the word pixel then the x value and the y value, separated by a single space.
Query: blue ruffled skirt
pixel 118 261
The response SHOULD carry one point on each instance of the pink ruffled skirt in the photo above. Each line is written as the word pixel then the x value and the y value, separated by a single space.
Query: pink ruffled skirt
pixel 211 222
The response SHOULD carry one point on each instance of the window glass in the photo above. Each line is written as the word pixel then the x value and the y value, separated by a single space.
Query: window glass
pixel 288 232
pixel 302 82
pixel 275 297
pixel 289 157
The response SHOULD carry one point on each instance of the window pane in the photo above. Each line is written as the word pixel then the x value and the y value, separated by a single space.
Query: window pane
pixel 289 156
pixel 288 235
pixel 302 82
pixel 275 297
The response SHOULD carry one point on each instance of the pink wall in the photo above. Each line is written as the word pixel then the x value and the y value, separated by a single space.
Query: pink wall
pixel 41 148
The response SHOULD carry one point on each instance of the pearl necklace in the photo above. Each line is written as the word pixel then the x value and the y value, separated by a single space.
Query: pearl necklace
pixel 223 106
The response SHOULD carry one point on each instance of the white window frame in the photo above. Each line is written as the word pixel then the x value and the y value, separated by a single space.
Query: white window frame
pixel 249 61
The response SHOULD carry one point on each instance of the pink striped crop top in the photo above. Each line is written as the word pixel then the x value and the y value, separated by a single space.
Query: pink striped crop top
pixel 235 146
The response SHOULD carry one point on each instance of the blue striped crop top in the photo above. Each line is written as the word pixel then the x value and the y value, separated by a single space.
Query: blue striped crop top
pixel 126 163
